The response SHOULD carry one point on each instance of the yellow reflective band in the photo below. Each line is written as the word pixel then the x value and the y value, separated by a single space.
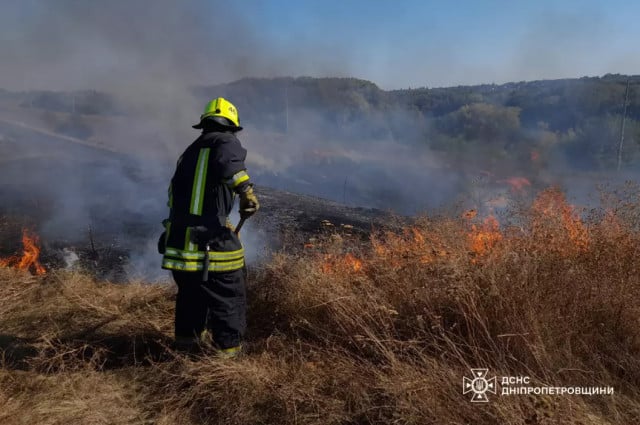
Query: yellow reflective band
pixel 199 255
pixel 199 182
pixel 194 266
pixel 231 350
pixel 226 256
pixel 188 245
pixel 238 178
pixel 229 353
pixel 184 255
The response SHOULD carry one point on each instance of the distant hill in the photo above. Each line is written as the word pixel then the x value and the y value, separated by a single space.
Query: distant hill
pixel 263 101
pixel 560 103
pixel 574 120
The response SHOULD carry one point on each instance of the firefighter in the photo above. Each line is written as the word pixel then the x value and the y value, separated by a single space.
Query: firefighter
pixel 209 175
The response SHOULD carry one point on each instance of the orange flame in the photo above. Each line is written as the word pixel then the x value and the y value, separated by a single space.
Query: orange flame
pixel 418 237
pixel 353 262
pixel 327 267
pixel 414 243
pixel 552 203
pixel 517 184
pixel 30 255
pixel 331 263
pixel 484 237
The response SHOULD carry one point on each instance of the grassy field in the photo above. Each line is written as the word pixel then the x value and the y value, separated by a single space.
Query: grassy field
pixel 352 332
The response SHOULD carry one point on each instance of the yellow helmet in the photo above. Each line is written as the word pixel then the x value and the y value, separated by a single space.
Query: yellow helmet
pixel 223 112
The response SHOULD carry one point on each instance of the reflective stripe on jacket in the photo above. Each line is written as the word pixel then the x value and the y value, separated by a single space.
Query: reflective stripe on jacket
pixel 201 193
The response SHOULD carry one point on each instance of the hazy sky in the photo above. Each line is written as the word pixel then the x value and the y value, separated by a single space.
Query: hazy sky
pixel 411 43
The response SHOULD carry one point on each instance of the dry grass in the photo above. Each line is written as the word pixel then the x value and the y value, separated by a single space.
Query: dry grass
pixel 354 333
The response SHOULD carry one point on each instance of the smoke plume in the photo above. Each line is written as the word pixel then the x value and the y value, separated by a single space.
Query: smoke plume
pixel 151 56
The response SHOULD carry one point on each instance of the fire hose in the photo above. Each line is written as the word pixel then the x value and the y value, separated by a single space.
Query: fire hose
pixel 239 226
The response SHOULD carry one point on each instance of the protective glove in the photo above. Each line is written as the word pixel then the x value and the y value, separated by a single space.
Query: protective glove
pixel 248 202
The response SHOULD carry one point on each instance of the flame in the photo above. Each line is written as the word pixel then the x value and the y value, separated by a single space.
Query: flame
pixel 390 250
pixel 418 237
pixel 414 244
pixel 332 263
pixel 29 258
pixel 535 155
pixel 517 184
pixel 353 262
pixel 483 237
pixel 552 204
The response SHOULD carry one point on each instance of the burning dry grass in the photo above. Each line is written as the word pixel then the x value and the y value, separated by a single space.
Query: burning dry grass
pixel 347 332
pixel 29 258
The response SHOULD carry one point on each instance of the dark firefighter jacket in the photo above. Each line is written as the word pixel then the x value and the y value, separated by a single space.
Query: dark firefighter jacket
pixel 201 193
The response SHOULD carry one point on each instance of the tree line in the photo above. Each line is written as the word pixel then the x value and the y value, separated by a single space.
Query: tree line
pixel 578 120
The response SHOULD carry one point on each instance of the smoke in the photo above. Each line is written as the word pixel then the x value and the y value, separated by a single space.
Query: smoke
pixel 148 55
pixel 151 55
pixel 121 44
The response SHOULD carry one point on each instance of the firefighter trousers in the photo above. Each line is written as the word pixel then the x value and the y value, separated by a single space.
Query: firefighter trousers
pixel 218 305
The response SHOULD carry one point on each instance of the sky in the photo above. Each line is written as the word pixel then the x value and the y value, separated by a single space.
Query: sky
pixel 77 44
